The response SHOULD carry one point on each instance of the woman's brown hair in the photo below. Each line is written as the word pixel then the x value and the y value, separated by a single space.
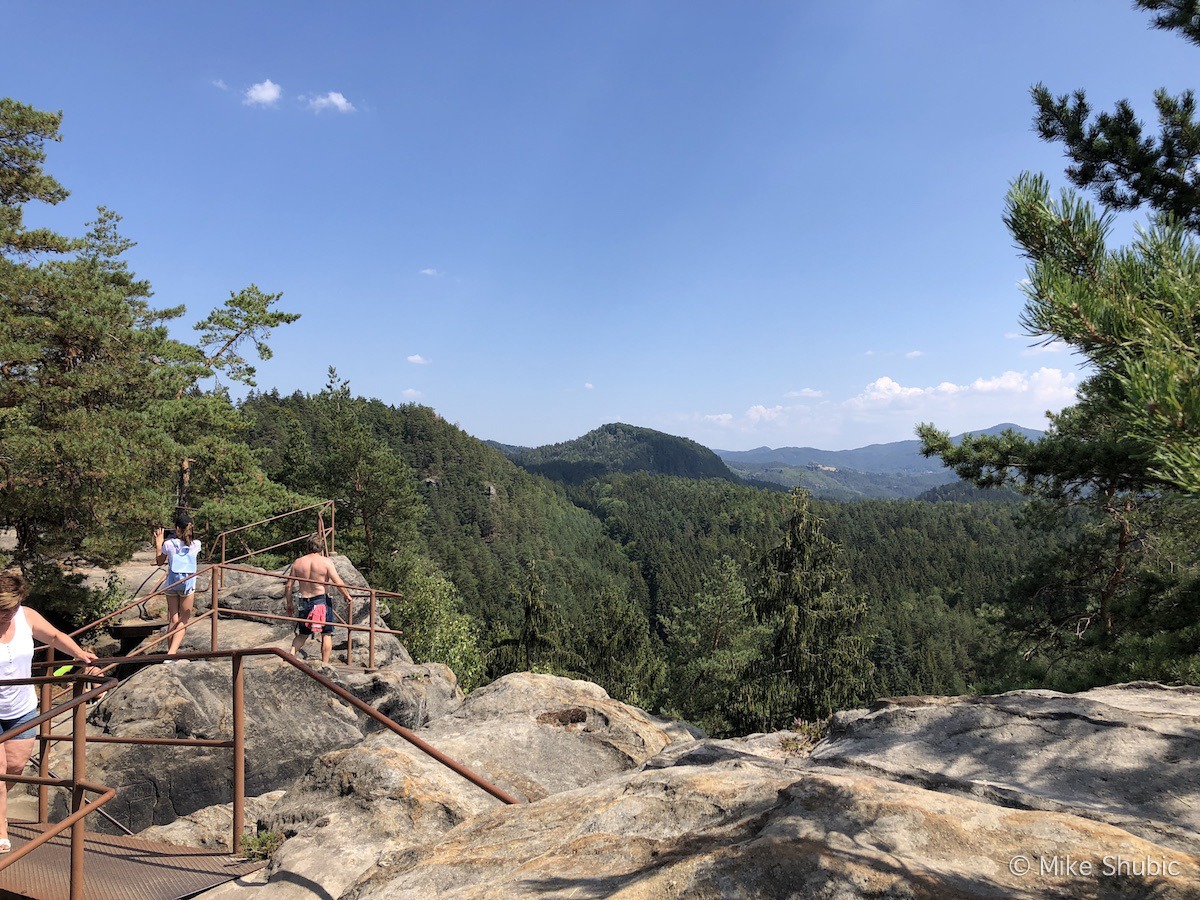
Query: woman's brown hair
pixel 13 589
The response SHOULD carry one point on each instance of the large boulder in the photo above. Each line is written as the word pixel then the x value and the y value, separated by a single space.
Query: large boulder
pixel 541 734
pixel 740 826
pixel 1029 794
pixel 1128 755
pixel 530 735
pixel 211 828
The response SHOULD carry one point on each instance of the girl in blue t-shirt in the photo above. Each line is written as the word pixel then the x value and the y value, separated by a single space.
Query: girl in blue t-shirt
pixel 180 553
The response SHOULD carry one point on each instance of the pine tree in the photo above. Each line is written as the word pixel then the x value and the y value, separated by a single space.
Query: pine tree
pixel 714 644
pixel 378 509
pixel 1118 471
pixel 816 658
pixel 98 405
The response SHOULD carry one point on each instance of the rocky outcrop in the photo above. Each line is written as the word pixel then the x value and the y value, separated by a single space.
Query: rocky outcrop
pixel 1029 794
pixel 540 734
pixel 739 827
pixel 291 720
pixel 1026 794
pixel 208 828
pixel 531 735
pixel 1127 755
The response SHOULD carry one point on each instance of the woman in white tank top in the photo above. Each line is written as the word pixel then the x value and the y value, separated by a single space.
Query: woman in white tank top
pixel 19 702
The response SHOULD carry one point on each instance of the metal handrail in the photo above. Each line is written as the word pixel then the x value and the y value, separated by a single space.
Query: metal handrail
pixel 221 539
pixel 237 744
pixel 78 784
pixel 216 571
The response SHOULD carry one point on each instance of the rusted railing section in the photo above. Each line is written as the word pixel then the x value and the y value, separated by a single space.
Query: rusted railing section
pixel 373 596
pixel 52 708
pixel 77 783
pixel 237 743
pixel 222 540
pixel 215 610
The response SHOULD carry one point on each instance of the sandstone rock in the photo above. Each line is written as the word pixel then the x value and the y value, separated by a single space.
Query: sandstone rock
pixel 743 828
pixel 1128 755
pixel 537 735
pixel 211 828
pixel 533 735
pixel 921 797
pixel 291 720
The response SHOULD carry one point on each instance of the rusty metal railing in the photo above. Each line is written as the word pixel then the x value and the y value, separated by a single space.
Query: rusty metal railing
pixel 237 743
pixel 53 708
pixel 215 610
pixel 77 783
pixel 222 540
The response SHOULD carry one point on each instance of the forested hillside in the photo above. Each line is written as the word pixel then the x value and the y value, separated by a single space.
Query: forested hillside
pixel 650 584
pixel 479 517
pixel 880 471
pixel 620 448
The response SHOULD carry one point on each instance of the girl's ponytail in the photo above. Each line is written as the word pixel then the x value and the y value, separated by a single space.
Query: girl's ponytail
pixel 183 528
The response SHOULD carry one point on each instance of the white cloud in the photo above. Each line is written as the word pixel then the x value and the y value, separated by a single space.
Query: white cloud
pixel 887 409
pixel 412 393
pixel 432 273
pixel 913 354
pixel 760 413
pixel 869 353
pixel 1048 387
pixel 804 392
pixel 588 386
pixel 265 93
pixel 418 360
pixel 220 84
pixel 331 100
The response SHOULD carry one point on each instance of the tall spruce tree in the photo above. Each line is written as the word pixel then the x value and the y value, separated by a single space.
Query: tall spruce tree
pixel 815 658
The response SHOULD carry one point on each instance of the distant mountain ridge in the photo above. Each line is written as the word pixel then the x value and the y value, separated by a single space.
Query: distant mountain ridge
pixel 879 471
pixel 618 447
pixel 898 457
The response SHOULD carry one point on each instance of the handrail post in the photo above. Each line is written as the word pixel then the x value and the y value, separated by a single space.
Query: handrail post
pixel 371 633
pixel 44 743
pixel 78 774
pixel 332 526
pixel 213 579
pixel 349 631
pixel 239 752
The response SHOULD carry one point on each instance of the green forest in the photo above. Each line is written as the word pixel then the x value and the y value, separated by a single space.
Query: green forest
pixel 633 558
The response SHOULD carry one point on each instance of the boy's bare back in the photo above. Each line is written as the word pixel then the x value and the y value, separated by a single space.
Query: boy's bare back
pixel 318 568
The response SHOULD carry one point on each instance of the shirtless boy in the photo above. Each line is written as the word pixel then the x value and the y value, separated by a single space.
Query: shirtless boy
pixel 315 567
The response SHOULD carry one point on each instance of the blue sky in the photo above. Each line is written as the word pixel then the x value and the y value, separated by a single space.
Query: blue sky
pixel 748 223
